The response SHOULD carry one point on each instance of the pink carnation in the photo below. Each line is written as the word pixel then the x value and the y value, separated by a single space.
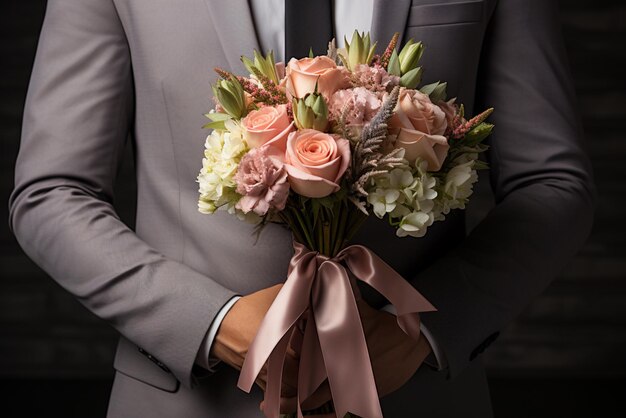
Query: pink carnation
pixel 360 105
pixel 375 78
pixel 262 181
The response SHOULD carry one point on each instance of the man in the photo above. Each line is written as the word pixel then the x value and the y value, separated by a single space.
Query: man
pixel 109 68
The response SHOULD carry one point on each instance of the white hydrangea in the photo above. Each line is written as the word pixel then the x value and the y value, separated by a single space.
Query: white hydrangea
pixel 458 185
pixel 222 154
pixel 389 192
pixel 419 203
pixel 415 224
pixel 383 201
pixel 406 195
pixel 422 189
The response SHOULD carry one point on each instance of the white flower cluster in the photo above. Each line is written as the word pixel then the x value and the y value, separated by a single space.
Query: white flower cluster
pixel 223 151
pixel 414 199
pixel 457 185
pixel 407 195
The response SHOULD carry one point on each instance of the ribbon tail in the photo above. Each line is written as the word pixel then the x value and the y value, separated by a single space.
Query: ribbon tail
pixel 371 269
pixel 343 343
pixel 287 308
pixel 312 371
pixel 275 366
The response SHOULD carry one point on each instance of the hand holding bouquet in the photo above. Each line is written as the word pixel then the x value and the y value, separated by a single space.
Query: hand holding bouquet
pixel 321 145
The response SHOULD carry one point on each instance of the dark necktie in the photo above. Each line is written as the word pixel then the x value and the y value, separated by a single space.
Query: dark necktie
pixel 308 24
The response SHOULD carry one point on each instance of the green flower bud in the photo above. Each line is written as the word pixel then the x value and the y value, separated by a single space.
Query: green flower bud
pixel 359 50
pixel 230 95
pixel 263 64
pixel 310 112
pixel 410 56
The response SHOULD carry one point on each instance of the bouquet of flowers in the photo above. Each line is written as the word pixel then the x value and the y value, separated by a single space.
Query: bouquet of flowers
pixel 321 144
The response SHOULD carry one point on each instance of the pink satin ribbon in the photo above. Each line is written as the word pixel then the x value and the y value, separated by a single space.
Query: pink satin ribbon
pixel 333 345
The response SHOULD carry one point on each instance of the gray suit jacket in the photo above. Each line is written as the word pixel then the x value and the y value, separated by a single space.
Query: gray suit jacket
pixel 109 68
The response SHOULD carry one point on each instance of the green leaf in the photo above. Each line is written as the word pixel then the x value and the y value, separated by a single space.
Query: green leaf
pixel 215 125
pixel 439 94
pixel 370 56
pixel 247 62
pixel 344 60
pixel 327 202
pixel 272 64
pixel 218 116
pixel 411 79
pixel 436 91
pixel 315 210
pixel 264 65
pixel 394 64
pixel 429 88
pixel 480 165
pixel 311 54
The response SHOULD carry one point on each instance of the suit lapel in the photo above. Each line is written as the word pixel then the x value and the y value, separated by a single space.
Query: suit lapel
pixel 389 17
pixel 235 28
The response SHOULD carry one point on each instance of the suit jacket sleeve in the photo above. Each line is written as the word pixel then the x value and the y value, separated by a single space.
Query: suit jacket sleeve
pixel 78 114
pixel 541 180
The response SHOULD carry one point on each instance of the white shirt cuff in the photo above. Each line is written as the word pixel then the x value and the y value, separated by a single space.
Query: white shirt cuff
pixel 440 357
pixel 203 358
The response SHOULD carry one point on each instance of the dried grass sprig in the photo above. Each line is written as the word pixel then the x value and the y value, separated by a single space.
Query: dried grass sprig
pixel 369 159
pixel 332 51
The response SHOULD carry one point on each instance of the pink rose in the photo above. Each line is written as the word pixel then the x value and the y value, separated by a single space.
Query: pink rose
pixel 315 162
pixel 431 148
pixel 415 111
pixel 419 125
pixel 269 125
pixel 262 181
pixel 450 108
pixel 302 75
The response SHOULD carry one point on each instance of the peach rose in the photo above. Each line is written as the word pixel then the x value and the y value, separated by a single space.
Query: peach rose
pixel 420 125
pixel 431 148
pixel 268 125
pixel 450 109
pixel 315 162
pixel 302 75
pixel 415 111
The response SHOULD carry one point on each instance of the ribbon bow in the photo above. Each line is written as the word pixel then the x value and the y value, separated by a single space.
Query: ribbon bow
pixel 333 345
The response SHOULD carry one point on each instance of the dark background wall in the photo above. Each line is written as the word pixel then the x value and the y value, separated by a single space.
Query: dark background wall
pixel 565 356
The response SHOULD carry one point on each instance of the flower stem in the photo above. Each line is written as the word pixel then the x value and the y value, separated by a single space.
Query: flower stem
pixel 305 230
pixel 326 233
pixel 340 236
